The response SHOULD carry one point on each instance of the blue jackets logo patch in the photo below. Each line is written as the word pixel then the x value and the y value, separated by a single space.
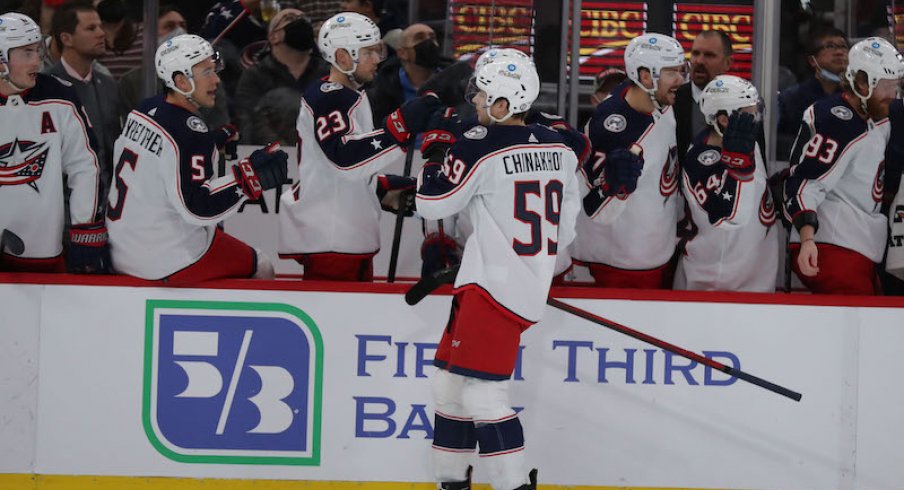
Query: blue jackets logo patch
pixel 232 382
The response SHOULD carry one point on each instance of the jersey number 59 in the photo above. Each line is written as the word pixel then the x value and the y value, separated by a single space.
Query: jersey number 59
pixel 552 207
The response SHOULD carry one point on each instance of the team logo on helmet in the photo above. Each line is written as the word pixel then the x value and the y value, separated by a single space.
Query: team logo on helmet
pixel 653 40
pixel 476 133
pixel 875 45
pixel 340 20
pixel 709 157
pixel 512 67
pixel 615 123
pixel 196 124
pixel 842 113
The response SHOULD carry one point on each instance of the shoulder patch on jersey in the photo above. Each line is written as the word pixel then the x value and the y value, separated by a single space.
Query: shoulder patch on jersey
pixel 842 112
pixel 196 124
pixel 330 87
pixel 64 82
pixel 709 157
pixel 476 133
pixel 615 123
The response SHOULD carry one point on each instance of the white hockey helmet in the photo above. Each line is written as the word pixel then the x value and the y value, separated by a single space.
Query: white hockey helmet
pixel 495 53
pixel 878 59
pixel 726 93
pixel 179 55
pixel 349 31
pixel 514 80
pixel 16 30
pixel 654 52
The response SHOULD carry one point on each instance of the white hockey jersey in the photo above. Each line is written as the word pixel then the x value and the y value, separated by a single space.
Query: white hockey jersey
pixel 45 134
pixel 164 202
pixel 518 188
pixel 838 165
pixel 734 246
pixel 637 232
pixel 334 207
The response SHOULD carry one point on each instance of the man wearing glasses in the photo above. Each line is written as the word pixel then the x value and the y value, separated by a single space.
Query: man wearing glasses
pixel 827 54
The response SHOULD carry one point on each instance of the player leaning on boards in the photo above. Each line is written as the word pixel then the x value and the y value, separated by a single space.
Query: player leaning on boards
pixel 627 233
pixel 724 182
pixel 517 185
pixel 165 201
pixel 834 192
pixel 330 219
pixel 43 135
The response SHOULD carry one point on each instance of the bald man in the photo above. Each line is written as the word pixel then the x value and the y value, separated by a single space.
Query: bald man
pixel 418 58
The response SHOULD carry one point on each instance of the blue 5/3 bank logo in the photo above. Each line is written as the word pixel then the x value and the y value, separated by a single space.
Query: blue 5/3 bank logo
pixel 232 382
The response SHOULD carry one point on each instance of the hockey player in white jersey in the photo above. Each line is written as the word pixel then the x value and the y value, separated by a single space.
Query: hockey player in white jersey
pixel 833 194
pixel 329 221
pixel 517 185
pixel 166 201
pixel 44 135
pixel 735 245
pixel 627 233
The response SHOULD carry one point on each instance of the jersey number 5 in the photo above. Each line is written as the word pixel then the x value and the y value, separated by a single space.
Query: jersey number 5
pixel 114 210
pixel 552 199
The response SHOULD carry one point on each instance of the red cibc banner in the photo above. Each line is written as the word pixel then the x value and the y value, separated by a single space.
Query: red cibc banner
pixel 606 28
pixel 479 23
pixel 736 20
pixel 896 18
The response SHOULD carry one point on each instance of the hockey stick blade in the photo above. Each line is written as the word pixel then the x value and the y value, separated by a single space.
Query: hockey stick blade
pixel 429 284
pixel 737 373
pixel 11 242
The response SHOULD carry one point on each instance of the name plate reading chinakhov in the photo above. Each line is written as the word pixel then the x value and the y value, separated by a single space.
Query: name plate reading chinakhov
pixel 228 382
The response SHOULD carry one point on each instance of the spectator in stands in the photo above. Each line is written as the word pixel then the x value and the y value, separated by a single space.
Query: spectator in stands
pixel 287 62
pixel 373 9
pixel 170 23
pixel 604 82
pixel 398 81
pixel 77 29
pixel 238 25
pixel 827 52
pixel 320 10
pixel 710 57
pixel 125 37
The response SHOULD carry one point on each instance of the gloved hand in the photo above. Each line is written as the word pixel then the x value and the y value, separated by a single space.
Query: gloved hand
pixel 438 252
pixel 88 249
pixel 621 171
pixel 411 118
pixel 265 168
pixel 443 129
pixel 396 194
pixel 554 121
pixel 227 140
pixel 738 143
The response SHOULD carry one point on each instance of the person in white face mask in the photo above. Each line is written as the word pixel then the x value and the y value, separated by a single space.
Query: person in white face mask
pixel 170 23
pixel 827 54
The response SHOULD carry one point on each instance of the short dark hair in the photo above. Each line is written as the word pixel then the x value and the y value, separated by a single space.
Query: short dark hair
pixel 65 19
pixel 727 48
pixel 820 34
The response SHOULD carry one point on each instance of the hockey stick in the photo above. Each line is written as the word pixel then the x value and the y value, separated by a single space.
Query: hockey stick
pixel 10 241
pixel 429 284
pixel 397 233
pixel 737 373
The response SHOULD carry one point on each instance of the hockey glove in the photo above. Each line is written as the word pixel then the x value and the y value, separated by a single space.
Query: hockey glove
pixel 535 116
pixel 411 118
pixel 621 172
pixel 443 130
pixel 227 140
pixel 265 168
pixel 738 142
pixel 88 249
pixel 438 252
pixel 396 194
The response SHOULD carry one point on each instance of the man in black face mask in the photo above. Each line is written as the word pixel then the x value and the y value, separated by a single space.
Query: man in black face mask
pixel 419 58
pixel 288 63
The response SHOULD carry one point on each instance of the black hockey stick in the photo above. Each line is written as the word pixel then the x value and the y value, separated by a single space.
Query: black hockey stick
pixel 11 242
pixel 737 373
pixel 400 217
pixel 430 283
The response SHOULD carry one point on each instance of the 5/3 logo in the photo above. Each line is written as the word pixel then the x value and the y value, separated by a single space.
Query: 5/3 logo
pixel 232 382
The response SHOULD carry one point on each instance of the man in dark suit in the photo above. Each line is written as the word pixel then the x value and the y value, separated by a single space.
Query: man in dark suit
pixel 710 57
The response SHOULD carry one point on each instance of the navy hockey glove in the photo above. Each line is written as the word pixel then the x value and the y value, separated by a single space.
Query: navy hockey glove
pixel 443 129
pixel 88 249
pixel 265 168
pixel 227 140
pixel 411 118
pixel 738 143
pixel 396 193
pixel 621 172
pixel 536 116
pixel 438 252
